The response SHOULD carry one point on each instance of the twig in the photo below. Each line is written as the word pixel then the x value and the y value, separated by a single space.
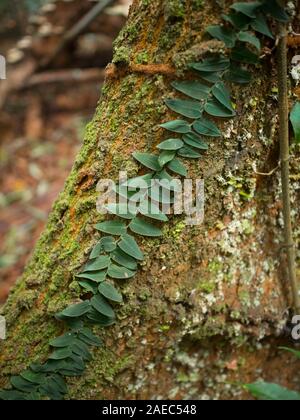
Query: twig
pixel 64 76
pixel 266 173
pixel 76 30
pixel 284 157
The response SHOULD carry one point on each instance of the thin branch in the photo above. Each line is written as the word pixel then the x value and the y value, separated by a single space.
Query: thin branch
pixel 285 157
pixel 64 76
pixel 76 30
pixel 266 173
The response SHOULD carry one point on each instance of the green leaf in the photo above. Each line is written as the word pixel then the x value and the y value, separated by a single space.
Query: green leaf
pixel 97 276
pixel 60 354
pixel 123 259
pixel 177 126
pixel 104 321
pixel 211 65
pixel 108 243
pixel 102 306
pixel 88 285
pixel 151 210
pixel 238 20
pixel 214 108
pixel 188 152
pixel 222 94
pixel 161 195
pixel 81 349
pixel 63 341
pixel 22 384
pixel 250 39
pixel 238 75
pixel 110 292
pixel 141 227
pixel 189 109
pixel 206 128
pixel 194 140
pixel 170 144
pixel 148 160
pixel 277 12
pixel 60 383
pixel 74 365
pixel 176 166
pixel 226 35
pixel 118 272
pixel 194 89
pixel 243 55
pixel 210 77
pixel 260 25
pixel 99 263
pixel 122 210
pixel 272 392
pixel 87 336
pixel 166 156
pixel 76 310
pixel 97 250
pixel 129 194
pixel 130 247
pixel 113 227
pixel 295 120
pixel 34 377
pixel 13 395
pixel 163 175
pixel 248 9
pixel 143 181
pixel 294 352
pixel 51 389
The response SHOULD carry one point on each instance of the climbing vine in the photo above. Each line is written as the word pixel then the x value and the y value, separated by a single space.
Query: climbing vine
pixel 117 255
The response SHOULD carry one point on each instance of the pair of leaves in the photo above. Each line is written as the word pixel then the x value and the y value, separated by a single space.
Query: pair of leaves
pixel 268 7
pixel 83 334
pixel 124 259
pixel 51 386
pixel 137 225
pixel 211 65
pixel 218 106
pixel 193 140
pixel 100 304
pixel 148 160
pixel 230 37
pixel 206 128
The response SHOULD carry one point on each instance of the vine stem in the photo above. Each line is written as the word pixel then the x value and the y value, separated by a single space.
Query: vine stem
pixel 284 158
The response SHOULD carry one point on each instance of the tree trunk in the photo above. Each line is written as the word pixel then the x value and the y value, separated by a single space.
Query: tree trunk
pixel 209 303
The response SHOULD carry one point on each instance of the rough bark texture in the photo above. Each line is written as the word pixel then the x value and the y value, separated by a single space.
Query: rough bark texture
pixel 209 301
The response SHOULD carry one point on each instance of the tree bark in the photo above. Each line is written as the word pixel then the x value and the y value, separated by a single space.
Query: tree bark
pixel 208 306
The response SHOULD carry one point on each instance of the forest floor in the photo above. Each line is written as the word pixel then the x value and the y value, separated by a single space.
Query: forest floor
pixel 42 129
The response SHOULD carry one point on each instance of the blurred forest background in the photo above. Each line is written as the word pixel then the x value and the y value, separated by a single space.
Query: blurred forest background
pixel 52 88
